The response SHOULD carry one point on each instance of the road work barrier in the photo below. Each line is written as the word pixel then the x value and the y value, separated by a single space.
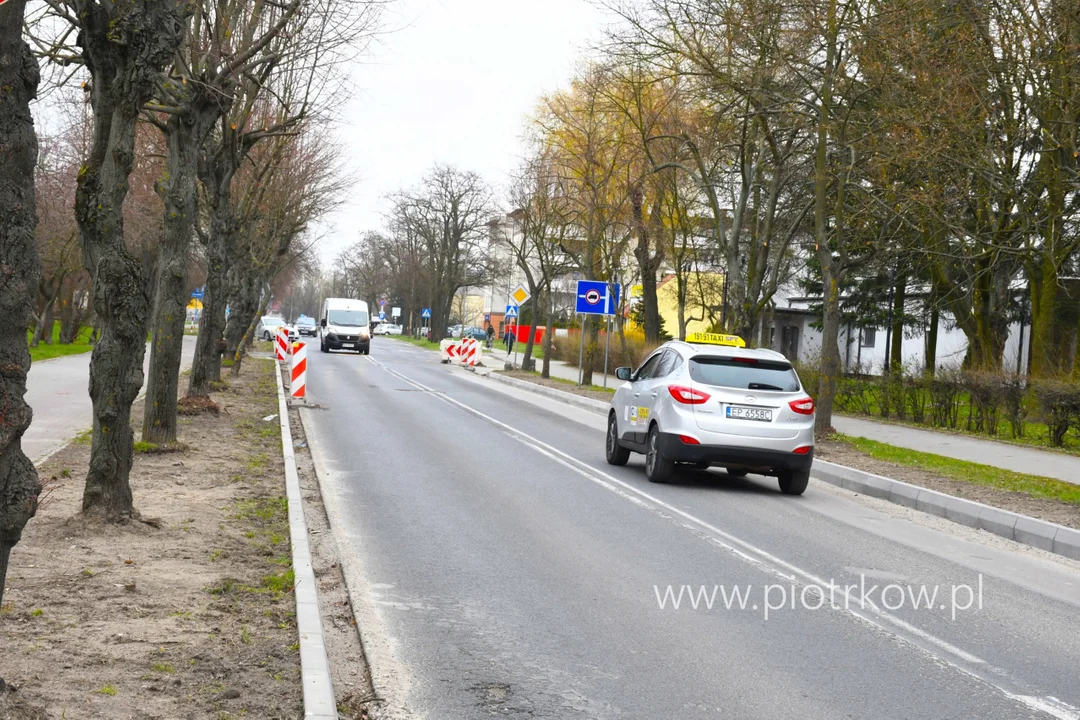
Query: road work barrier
pixel 450 351
pixel 281 343
pixel 470 353
pixel 298 388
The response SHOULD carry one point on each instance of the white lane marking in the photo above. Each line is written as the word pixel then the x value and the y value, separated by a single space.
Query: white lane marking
pixel 961 660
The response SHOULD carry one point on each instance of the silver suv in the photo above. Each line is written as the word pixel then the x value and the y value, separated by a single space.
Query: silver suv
pixel 710 401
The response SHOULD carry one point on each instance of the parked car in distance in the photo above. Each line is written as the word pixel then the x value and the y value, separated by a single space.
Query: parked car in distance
pixel 387 329
pixel 268 327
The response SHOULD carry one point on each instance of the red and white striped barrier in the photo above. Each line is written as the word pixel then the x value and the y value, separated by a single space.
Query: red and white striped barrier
pixel 471 354
pixel 281 343
pixel 298 388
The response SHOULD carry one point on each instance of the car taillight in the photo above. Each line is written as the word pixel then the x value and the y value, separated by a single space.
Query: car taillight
pixel 687 440
pixel 687 396
pixel 802 450
pixel 805 406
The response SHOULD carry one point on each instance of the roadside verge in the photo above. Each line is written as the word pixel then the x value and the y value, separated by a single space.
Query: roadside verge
pixel 1014 526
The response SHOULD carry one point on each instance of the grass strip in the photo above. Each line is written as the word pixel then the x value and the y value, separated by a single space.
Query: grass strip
pixel 1032 485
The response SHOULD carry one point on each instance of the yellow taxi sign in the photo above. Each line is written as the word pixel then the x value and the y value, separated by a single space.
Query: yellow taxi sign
pixel 715 339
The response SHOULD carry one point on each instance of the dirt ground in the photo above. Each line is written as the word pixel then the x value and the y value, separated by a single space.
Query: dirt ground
pixel 1050 510
pixel 191 617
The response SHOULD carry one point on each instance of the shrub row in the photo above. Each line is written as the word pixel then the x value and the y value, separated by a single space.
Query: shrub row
pixel 978 402
pixel 635 353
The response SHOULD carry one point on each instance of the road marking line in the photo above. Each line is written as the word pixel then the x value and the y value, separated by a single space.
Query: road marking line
pixel 961 660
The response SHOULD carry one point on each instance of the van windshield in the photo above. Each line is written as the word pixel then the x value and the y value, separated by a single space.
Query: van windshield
pixel 744 373
pixel 348 318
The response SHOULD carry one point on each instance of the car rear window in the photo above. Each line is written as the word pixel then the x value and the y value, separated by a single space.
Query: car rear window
pixel 744 373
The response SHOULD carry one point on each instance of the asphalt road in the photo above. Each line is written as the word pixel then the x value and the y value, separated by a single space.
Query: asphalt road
pixel 499 567
pixel 58 391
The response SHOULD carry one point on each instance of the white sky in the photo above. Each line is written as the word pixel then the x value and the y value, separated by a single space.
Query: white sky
pixel 453 85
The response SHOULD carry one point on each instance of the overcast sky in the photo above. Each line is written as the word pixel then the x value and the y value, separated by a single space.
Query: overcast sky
pixel 453 84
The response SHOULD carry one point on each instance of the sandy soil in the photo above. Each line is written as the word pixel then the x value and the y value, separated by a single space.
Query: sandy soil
pixel 1050 510
pixel 192 619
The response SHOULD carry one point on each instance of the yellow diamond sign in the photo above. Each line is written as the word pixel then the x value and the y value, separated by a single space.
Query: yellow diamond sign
pixel 520 295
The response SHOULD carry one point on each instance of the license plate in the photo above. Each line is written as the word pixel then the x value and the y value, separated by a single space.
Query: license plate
pixel 746 413
pixel 347 345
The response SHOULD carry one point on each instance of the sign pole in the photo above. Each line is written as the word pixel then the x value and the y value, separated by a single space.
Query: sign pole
pixel 607 349
pixel 581 354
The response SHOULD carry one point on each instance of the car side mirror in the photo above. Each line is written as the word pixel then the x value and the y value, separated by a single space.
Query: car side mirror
pixel 322 322
pixel 623 373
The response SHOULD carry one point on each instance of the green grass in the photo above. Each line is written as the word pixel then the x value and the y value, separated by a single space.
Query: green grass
pixel 1033 485
pixel 571 385
pixel 57 349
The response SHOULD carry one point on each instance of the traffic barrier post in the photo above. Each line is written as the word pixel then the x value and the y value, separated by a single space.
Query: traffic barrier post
pixel 298 387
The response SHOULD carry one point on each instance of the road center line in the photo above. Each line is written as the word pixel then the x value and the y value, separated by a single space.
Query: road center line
pixel 935 647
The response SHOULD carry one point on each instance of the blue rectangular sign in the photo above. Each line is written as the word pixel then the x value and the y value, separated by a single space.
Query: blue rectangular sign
pixel 425 313
pixel 596 297
pixel 511 311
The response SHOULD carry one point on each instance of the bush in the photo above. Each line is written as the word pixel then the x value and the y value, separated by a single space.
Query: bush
pixel 945 392
pixel 637 350
pixel 1060 403
pixel 986 392
pixel 1014 391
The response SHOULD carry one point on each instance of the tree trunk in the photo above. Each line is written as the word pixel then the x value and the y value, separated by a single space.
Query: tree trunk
pixel 830 358
pixel 648 264
pixel 930 361
pixel 549 337
pixel 896 352
pixel 184 137
pixel 244 304
pixel 125 48
pixel 538 300
pixel 45 327
pixel 20 271
pixel 592 348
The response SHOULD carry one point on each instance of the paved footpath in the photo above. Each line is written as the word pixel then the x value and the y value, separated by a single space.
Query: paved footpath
pixel 58 390
pixel 962 447
pixel 1018 458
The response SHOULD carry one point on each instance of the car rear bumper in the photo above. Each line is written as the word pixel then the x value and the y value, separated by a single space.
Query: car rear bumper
pixel 746 458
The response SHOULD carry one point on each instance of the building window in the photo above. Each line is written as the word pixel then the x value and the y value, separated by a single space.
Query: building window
pixel 869 337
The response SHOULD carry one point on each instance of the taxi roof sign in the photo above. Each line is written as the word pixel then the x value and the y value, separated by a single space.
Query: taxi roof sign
pixel 715 339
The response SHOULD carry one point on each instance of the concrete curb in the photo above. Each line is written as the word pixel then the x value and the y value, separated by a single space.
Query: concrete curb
pixel 1021 528
pixel 1026 530
pixel 598 406
pixel 319 699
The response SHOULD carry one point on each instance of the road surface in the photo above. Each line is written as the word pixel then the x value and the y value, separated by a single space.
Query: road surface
pixel 58 390
pixel 499 567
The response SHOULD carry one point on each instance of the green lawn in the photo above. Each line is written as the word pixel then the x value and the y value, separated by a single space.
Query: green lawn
pixel 56 349
pixel 1033 485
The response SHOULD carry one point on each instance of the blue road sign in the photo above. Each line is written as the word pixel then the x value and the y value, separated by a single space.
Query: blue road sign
pixel 425 313
pixel 594 298
pixel 382 316
pixel 511 312
pixel 198 293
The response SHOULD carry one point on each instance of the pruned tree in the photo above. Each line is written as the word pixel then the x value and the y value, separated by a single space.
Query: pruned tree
pixel 19 271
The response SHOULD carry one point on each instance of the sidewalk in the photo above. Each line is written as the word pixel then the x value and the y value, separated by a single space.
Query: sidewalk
pixel 1017 458
pixel 58 391
pixel 495 359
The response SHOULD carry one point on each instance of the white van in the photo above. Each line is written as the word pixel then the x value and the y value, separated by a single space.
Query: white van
pixel 344 324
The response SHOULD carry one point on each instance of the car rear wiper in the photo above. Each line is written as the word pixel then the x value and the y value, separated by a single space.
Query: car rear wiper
pixel 762 386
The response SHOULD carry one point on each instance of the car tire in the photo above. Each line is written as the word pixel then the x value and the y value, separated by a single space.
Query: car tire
pixel 657 467
pixel 794 482
pixel 322 346
pixel 736 473
pixel 266 335
pixel 616 454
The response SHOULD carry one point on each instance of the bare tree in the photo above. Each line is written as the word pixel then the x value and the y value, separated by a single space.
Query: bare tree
pixel 448 213
pixel 19 270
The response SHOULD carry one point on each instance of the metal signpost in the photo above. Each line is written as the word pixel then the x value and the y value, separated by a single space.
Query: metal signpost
pixel 520 296
pixel 595 297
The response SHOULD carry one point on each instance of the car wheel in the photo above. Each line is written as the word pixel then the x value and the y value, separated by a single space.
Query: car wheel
pixel 322 346
pixel 794 482
pixel 616 453
pixel 657 468
pixel 266 335
pixel 736 473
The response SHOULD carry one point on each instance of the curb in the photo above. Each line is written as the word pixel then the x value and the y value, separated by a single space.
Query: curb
pixel 598 406
pixel 319 699
pixel 1023 529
